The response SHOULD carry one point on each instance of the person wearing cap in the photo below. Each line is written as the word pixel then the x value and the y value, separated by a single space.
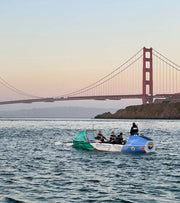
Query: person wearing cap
pixel 134 129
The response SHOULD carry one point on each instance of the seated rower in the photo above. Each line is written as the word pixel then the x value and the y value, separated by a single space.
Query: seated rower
pixel 112 138
pixel 100 137
pixel 120 140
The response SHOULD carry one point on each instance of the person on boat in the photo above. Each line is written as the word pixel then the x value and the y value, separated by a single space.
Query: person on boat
pixel 112 138
pixel 100 137
pixel 134 129
pixel 119 139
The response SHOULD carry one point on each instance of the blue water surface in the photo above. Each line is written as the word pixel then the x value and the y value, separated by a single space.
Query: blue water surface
pixel 37 164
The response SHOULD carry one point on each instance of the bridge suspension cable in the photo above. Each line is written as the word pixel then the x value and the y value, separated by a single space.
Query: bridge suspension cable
pixel 105 78
pixel 178 69
pixel 166 74
pixel 108 79
pixel 17 91
pixel 165 58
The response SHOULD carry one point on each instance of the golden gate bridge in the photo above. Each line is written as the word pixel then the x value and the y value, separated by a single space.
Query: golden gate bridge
pixel 147 75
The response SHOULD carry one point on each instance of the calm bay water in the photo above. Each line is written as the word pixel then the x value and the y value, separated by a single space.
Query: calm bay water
pixel 35 169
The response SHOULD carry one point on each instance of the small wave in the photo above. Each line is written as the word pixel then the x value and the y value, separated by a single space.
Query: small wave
pixel 58 143
pixel 93 181
pixel 12 200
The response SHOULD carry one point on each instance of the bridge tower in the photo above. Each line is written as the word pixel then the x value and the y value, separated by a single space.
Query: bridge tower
pixel 147 86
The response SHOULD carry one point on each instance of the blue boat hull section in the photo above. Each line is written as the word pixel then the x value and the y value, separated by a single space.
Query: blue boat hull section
pixel 137 144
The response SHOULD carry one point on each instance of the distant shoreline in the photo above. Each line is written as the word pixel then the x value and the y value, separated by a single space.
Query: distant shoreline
pixel 54 112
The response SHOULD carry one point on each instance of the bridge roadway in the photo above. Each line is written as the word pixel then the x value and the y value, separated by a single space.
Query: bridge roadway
pixel 104 97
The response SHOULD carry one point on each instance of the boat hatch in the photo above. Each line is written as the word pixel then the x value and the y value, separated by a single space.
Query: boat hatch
pixel 90 134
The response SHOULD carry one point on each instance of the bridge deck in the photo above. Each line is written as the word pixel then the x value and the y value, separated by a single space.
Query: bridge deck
pixel 103 97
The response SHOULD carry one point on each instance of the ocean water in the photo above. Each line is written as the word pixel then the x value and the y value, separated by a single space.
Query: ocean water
pixel 37 164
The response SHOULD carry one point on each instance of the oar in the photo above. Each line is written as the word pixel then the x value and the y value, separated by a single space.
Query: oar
pixel 66 143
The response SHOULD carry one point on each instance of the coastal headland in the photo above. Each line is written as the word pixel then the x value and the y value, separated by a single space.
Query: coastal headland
pixel 164 110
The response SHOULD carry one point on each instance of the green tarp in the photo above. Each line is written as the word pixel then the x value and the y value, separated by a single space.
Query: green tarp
pixel 80 141
pixel 80 136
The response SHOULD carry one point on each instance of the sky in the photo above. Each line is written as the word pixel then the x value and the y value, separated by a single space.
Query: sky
pixel 52 47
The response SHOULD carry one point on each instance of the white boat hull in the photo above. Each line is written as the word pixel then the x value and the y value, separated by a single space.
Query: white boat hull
pixel 107 147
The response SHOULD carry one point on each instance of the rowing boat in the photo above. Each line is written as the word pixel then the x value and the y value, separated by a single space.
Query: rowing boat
pixel 136 143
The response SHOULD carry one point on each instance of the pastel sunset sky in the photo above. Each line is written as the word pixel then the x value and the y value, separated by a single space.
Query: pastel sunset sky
pixel 51 47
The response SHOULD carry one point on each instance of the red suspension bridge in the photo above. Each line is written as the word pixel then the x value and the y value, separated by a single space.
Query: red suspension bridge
pixel 147 75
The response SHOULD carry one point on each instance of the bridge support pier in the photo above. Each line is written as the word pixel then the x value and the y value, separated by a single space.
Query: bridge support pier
pixel 147 76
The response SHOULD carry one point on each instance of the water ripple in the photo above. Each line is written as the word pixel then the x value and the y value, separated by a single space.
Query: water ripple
pixel 35 169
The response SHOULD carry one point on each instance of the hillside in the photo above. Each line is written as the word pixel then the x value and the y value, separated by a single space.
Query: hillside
pixel 163 110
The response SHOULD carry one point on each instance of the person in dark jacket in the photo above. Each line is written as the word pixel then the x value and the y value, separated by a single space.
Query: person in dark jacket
pixel 100 137
pixel 112 138
pixel 119 139
pixel 134 129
